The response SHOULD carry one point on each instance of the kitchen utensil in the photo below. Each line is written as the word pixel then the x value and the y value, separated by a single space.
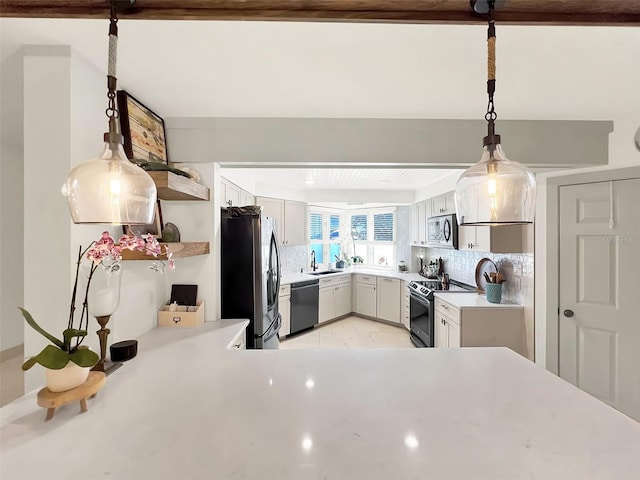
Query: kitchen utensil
pixel 486 277
pixel 485 265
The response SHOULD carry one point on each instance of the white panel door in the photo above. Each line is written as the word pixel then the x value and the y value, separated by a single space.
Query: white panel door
pixel 388 299
pixel 599 327
pixel 422 223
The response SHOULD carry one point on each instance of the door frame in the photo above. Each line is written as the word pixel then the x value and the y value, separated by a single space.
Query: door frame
pixel 547 248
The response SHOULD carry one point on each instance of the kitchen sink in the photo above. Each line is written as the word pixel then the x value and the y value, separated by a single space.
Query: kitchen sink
pixel 326 272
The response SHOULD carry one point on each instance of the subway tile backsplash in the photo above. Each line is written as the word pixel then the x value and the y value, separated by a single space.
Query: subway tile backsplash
pixel 461 266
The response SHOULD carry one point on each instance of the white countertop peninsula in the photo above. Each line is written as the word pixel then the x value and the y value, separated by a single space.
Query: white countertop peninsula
pixel 189 408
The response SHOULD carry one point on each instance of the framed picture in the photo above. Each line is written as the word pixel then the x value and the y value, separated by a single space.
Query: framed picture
pixel 154 228
pixel 143 130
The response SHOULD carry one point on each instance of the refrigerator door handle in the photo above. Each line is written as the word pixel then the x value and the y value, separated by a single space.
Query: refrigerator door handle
pixel 273 329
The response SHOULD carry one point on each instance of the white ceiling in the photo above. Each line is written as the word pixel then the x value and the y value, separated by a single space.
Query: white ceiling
pixel 341 178
pixel 273 69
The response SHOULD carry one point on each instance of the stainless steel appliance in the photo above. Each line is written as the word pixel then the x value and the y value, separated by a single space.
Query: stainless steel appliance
pixel 442 231
pixel 304 305
pixel 422 308
pixel 250 273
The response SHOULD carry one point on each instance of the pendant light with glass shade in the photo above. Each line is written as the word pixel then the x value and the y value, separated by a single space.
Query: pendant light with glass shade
pixel 110 189
pixel 496 190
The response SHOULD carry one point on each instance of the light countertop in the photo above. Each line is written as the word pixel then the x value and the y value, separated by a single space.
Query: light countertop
pixel 471 300
pixel 301 277
pixel 188 408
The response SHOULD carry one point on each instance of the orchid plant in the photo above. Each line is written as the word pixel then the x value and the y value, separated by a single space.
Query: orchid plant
pixel 103 253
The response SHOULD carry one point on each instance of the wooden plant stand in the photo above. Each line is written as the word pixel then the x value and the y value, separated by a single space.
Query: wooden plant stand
pixel 52 400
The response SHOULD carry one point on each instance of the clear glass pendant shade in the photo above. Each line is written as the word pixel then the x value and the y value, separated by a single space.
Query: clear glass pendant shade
pixel 495 191
pixel 110 189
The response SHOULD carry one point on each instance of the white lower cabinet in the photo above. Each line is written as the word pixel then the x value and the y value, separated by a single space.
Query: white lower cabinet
pixel 284 306
pixel 388 299
pixel 405 317
pixel 366 299
pixel 480 327
pixel 334 299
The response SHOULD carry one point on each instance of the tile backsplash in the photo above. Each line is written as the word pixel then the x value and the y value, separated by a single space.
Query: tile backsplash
pixel 461 266
pixel 293 258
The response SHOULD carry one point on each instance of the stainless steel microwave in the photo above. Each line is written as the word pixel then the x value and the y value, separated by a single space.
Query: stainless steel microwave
pixel 442 231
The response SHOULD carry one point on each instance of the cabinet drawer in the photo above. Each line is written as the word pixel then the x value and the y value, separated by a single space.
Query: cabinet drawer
pixel 447 310
pixel 368 279
pixel 285 290
pixel 335 281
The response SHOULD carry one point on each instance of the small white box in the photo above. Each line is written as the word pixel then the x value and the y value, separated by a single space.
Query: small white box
pixel 183 316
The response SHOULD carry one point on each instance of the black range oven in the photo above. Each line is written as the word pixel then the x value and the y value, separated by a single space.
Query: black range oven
pixel 422 308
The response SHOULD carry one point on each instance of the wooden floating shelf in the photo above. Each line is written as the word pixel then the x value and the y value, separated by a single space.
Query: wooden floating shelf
pixel 176 187
pixel 179 249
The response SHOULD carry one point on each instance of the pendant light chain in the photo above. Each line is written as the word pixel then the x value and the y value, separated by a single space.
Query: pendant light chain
pixel 112 111
pixel 491 114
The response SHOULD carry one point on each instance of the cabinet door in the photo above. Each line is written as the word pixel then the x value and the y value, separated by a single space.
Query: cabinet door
pixel 422 223
pixel 442 333
pixel 366 299
pixel 343 299
pixel 326 304
pixel 284 305
pixel 388 299
pixel 295 223
pixel 415 236
pixel 232 195
pixel 443 204
pixel 222 195
pixel 245 198
pixel 274 208
pixel 453 334
pixel 466 237
pixel 483 239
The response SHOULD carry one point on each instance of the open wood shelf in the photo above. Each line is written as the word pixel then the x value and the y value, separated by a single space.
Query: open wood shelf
pixel 179 249
pixel 176 187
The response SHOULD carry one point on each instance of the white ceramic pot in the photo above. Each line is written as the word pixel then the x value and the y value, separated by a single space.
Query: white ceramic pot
pixel 66 378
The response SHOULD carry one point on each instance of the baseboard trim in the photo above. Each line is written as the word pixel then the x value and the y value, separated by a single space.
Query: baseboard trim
pixel 18 350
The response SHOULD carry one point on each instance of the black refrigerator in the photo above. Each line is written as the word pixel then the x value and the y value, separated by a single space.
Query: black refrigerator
pixel 250 273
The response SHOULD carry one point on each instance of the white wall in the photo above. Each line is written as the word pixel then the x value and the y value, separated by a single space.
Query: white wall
pixel 11 201
pixel 64 102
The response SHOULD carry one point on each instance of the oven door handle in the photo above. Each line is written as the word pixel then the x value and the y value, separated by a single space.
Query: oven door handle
pixel 420 299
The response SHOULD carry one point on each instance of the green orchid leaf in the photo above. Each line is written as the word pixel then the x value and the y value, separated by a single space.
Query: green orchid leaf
pixel 32 323
pixel 29 363
pixel 52 357
pixel 83 357
pixel 70 333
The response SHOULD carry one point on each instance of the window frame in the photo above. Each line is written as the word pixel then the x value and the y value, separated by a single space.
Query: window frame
pixel 370 243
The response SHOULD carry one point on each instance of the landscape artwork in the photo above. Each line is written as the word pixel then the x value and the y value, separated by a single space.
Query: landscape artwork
pixel 143 130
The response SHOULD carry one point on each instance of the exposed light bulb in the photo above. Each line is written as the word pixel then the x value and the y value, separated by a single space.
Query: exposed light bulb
pixel 307 444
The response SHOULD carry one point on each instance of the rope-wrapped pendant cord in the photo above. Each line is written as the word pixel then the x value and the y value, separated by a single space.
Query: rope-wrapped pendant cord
pixel 491 58
pixel 112 111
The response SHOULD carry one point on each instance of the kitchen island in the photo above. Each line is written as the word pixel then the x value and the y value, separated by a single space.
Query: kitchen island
pixel 189 408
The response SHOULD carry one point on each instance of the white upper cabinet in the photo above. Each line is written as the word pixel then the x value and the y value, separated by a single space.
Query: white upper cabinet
pixel 499 239
pixel 443 204
pixel 291 219
pixel 295 223
pixel 423 212
pixel 231 195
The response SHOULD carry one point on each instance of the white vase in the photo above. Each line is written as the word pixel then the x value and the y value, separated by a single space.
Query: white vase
pixel 71 376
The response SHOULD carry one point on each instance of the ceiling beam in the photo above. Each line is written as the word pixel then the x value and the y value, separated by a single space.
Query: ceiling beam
pixel 529 12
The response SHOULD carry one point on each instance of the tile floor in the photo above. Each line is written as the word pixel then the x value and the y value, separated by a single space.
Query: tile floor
pixel 350 332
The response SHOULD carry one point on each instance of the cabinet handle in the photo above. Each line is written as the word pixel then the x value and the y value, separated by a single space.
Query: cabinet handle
pixel 446 307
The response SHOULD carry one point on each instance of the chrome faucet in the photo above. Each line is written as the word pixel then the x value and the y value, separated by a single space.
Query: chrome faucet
pixel 314 265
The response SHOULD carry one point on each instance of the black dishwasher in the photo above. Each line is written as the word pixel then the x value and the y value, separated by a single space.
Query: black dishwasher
pixel 304 305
